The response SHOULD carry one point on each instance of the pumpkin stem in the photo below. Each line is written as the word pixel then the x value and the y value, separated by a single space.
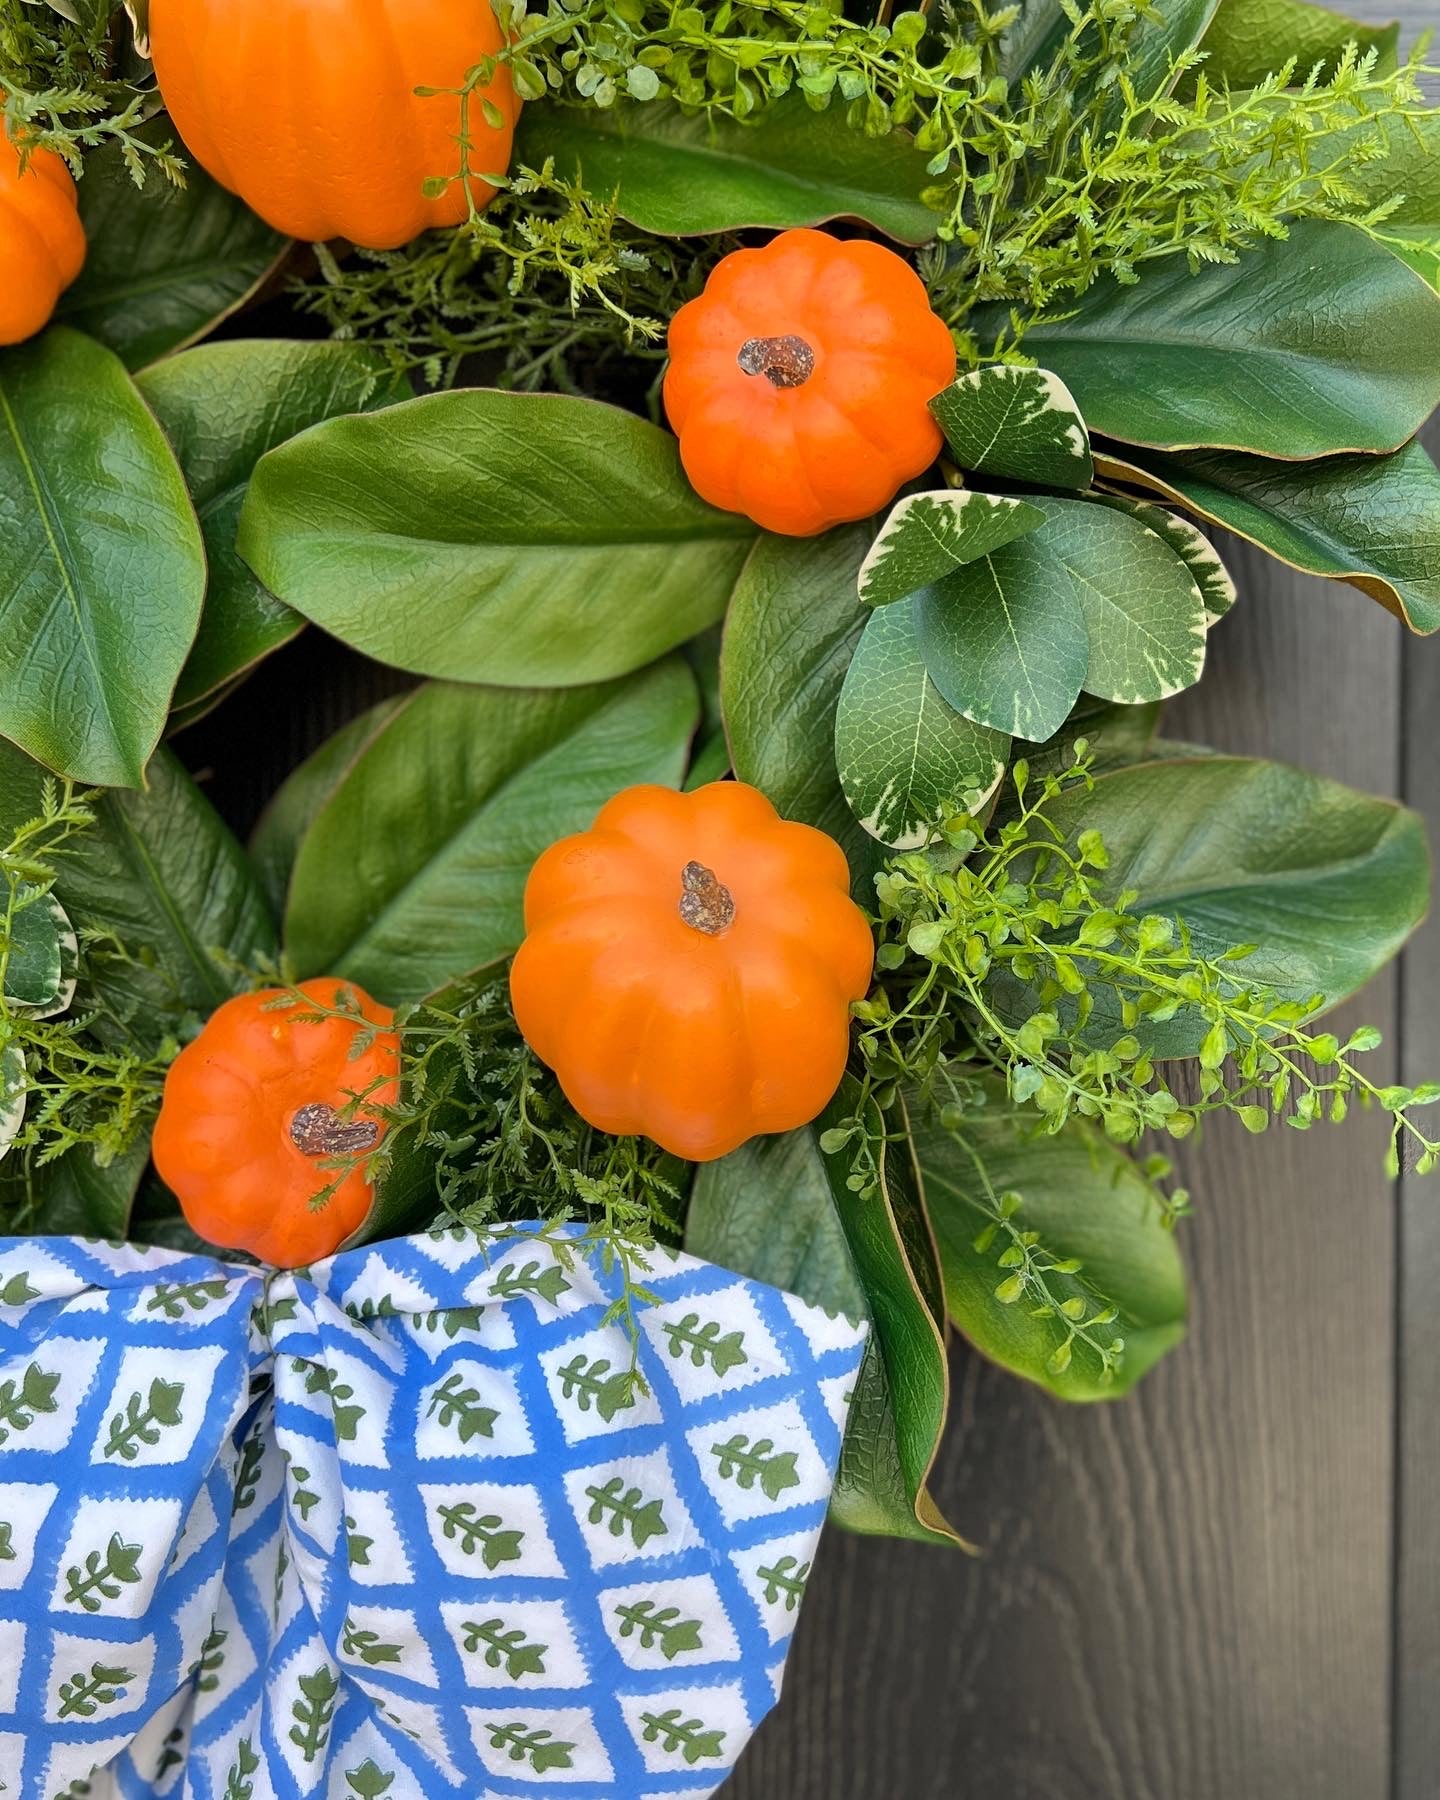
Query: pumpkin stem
pixel 318 1130
pixel 707 904
pixel 785 362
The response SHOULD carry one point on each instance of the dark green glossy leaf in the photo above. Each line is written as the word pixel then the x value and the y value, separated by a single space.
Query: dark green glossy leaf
pixel 1309 346
pixel 165 264
pixel 73 1195
pixel 222 406
pixel 277 837
pixel 1167 28
pixel 1371 521
pixel 413 870
pixel 1250 39
pixel 679 175
pixel 883 1490
pixel 1115 734
pixel 484 536
pixel 161 875
pixel 789 636
pixel 905 756
pixel 1088 1201
pixel 102 568
pixel 1327 881
pixel 1022 424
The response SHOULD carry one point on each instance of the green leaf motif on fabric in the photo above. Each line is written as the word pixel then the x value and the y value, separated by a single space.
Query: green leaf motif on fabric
pixel 595 1384
pixel 707 1343
pixel 457 1406
pixel 505 1647
pixel 83 1695
pixel 621 1508
pixel 484 1534
pixel 144 1419
pixel 314 1712
pixel 686 1737
pixel 1020 424
pixel 746 1462
pixel 103 1575
pixel 660 1628
pixel 541 1749
pixel 784 1582
pixel 19 1403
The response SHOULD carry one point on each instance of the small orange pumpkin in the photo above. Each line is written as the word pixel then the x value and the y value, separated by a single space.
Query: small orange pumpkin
pixel 688 968
pixel 307 108
pixel 800 380
pixel 42 242
pixel 251 1113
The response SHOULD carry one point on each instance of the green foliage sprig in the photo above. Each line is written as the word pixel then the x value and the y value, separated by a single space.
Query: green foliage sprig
pixel 547 284
pixel 81 1090
pixel 64 86
pixel 494 1140
pixel 997 945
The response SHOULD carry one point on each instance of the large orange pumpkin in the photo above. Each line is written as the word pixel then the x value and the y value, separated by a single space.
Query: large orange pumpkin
pixel 800 380
pixel 42 242
pixel 688 968
pixel 307 108
pixel 252 1114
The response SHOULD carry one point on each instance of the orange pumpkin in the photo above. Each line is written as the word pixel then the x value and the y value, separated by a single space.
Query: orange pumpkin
pixel 307 108
pixel 800 380
pixel 251 1114
pixel 42 242
pixel 688 968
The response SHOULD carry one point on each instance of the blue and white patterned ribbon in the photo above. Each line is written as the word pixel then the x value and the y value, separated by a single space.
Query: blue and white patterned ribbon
pixel 400 1525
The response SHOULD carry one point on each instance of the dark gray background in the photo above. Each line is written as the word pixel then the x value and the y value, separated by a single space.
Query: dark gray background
pixel 1226 1587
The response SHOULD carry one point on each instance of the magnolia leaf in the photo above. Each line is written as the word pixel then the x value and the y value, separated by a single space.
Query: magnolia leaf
pixel 678 174
pixel 1328 882
pixel 789 636
pixel 1144 613
pixel 905 757
pixel 12 1095
pixel 276 840
pixel 1114 735
pixel 75 1194
pixel 1251 39
pixel 1046 33
pixel 159 873
pixel 1394 163
pixel 894 1256
pixel 102 567
pixel 1090 1205
pixel 1020 424
pixel 1315 345
pixel 1194 549
pixel 928 535
pixel 222 406
pixel 515 539
pixel 1371 521
pixel 413 870
pixel 165 264
pixel 43 955
pixel 1004 638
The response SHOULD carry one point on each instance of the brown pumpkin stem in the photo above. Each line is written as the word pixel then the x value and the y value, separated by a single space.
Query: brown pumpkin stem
pixel 785 362
pixel 318 1130
pixel 707 904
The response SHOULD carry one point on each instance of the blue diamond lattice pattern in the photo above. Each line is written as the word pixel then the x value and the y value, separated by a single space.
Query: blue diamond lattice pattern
pixel 405 1524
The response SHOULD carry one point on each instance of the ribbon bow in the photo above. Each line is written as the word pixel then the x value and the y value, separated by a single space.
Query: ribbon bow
pixel 400 1525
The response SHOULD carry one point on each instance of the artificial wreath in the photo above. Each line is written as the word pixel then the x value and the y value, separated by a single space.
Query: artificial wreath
pixel 781 438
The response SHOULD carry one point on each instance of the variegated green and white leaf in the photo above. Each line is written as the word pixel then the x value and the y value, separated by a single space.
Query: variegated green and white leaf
pixel 905 756
pixel 1189 543
pixel 1022 424
pixel 929 535
pixel 1144 613
pixel 1004 638
pixel 42 957
pixel 12 1095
